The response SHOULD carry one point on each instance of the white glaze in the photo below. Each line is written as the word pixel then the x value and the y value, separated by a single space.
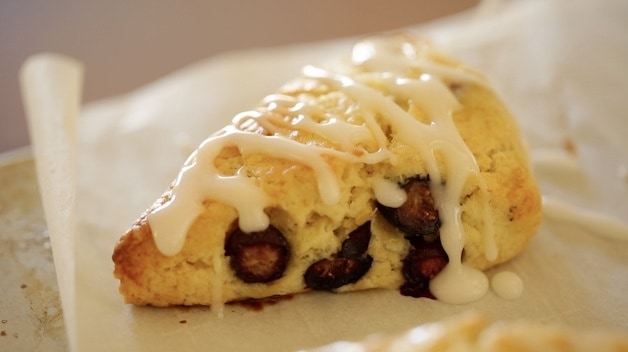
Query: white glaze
pixel 389 193
pixel 388 62
pixel 507 285
pixel 459 283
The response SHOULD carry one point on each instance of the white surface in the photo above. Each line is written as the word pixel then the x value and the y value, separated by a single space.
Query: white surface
pixel 557 63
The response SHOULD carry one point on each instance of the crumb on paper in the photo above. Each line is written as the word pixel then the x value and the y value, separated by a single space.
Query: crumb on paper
pixel 569 146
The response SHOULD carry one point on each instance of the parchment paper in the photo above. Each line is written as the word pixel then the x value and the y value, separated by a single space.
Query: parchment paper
pixel 560 65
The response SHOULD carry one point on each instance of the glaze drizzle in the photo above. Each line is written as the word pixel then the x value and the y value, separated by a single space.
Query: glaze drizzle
pixel 402 67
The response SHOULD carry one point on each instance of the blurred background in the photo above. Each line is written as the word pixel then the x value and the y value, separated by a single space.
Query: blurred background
pixel 126 44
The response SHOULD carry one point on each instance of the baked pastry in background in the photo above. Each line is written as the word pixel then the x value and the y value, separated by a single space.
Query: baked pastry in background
pixel 473 332
pixel 397 167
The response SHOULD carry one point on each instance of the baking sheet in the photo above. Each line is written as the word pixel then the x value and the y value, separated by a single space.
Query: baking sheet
pixel 558 64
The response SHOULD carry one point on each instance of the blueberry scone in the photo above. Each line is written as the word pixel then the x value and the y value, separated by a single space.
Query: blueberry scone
pixel 396 167
pixel 474 332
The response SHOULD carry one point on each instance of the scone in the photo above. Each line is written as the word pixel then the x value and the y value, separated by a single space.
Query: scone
pixel 397 167
pixel 474 332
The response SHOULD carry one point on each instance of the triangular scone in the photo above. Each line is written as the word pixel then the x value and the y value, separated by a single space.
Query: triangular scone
pixel 397 167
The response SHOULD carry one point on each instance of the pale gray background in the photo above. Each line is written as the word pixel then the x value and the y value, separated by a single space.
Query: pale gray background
pixel 125 44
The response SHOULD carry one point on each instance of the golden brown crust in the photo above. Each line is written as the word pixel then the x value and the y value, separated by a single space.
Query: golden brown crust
pixel 503 162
